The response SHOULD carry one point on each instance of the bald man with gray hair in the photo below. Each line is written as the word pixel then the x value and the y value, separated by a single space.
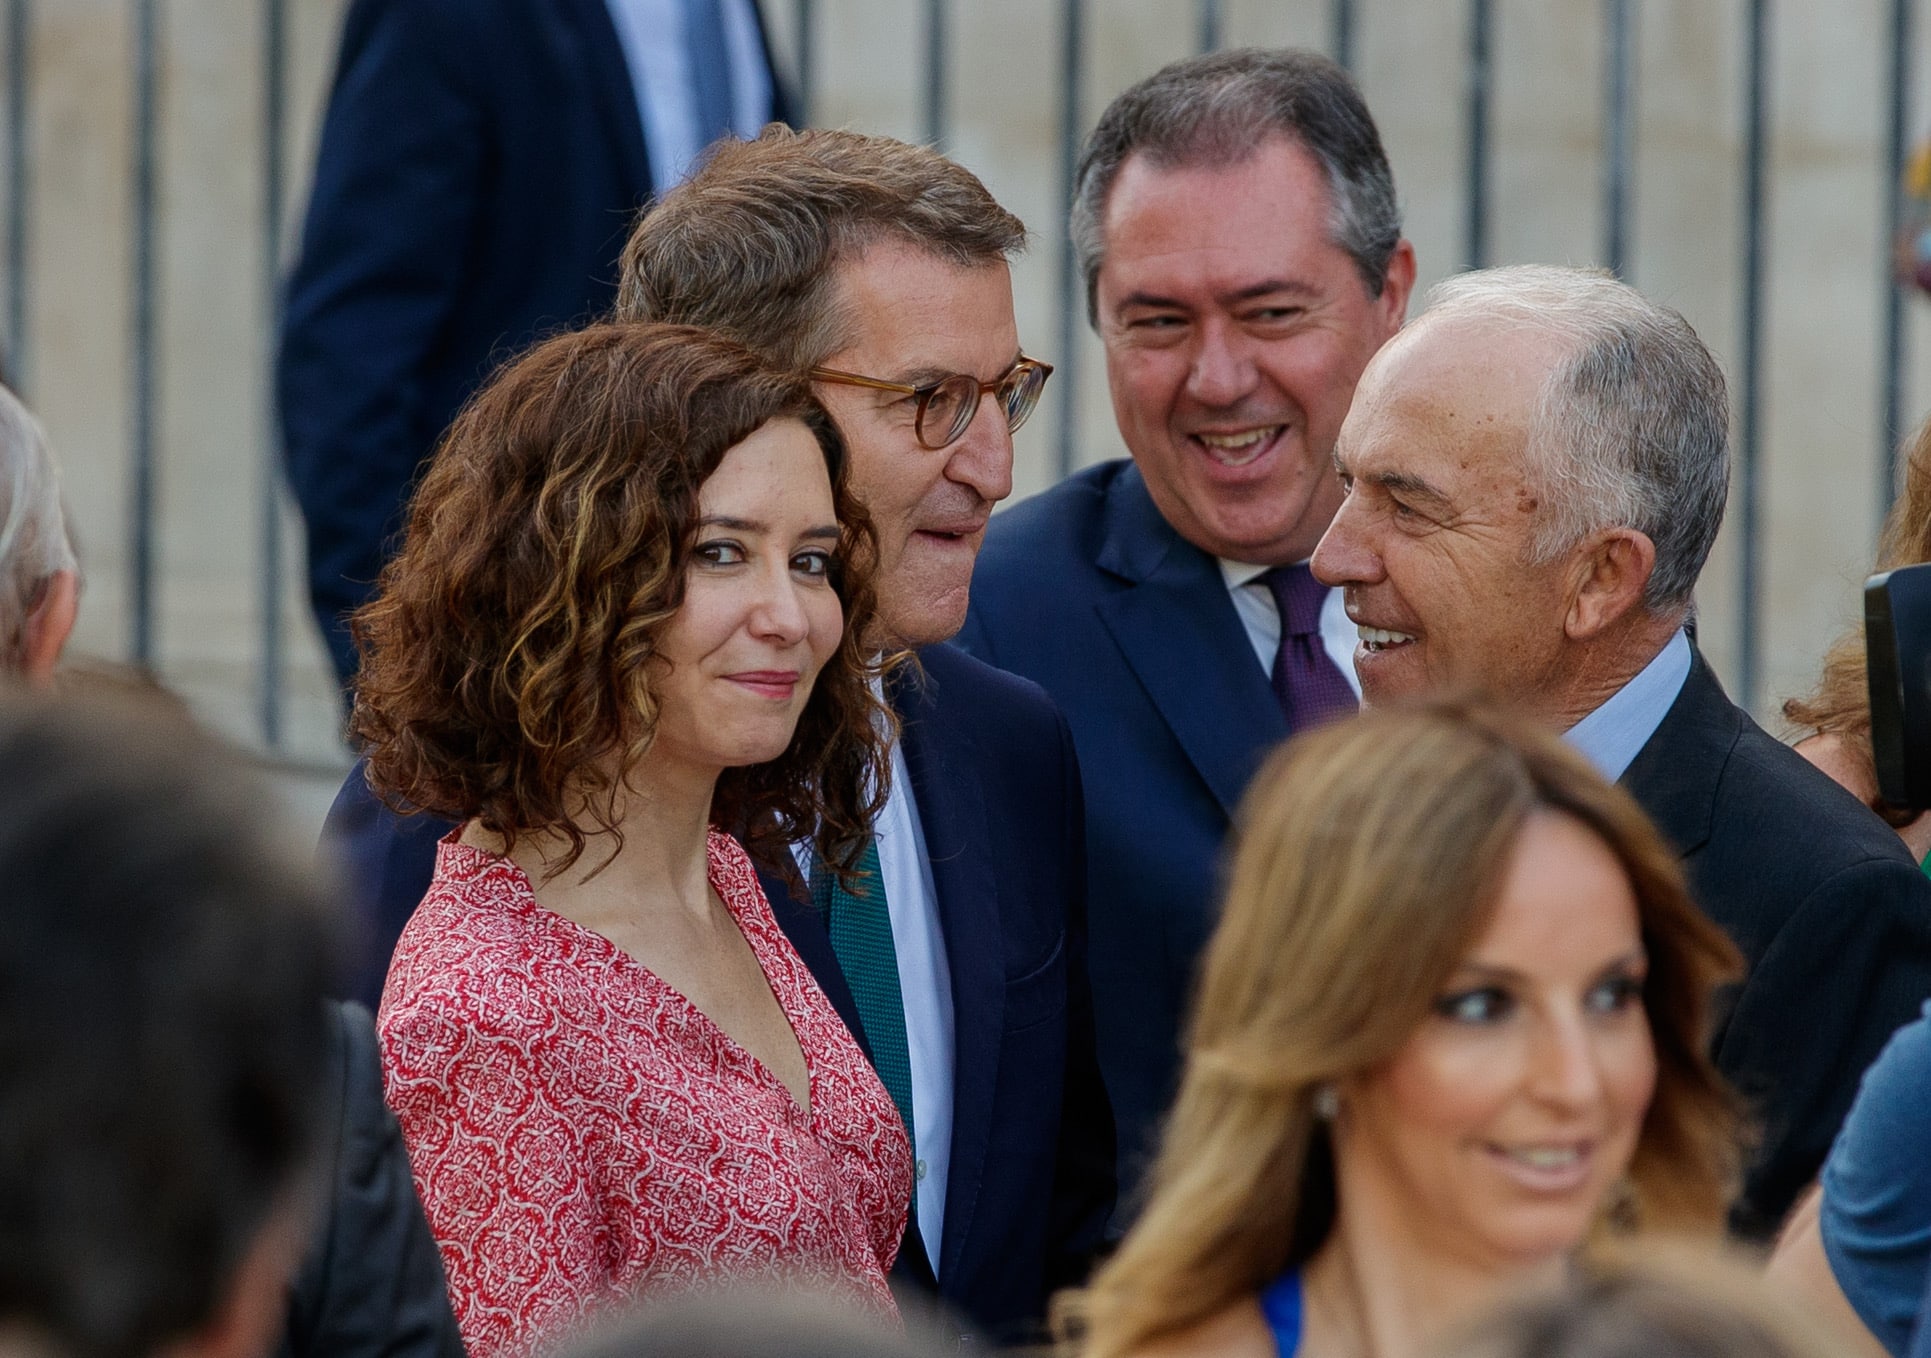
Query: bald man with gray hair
pixel 39 573
pixel 1535 470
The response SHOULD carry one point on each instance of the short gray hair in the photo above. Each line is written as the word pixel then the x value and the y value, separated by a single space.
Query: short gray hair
pixel 1216 110
pixel 1632 427
pixel 34 543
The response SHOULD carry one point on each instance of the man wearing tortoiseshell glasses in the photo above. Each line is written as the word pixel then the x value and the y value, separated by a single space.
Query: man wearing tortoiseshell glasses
pixel 881 267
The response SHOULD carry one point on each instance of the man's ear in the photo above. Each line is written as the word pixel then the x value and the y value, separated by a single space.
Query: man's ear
pixel 49 624
pixel 1397 284
pixel 1612 568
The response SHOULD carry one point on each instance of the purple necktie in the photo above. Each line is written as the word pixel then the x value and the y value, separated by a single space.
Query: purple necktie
pixel 1310 687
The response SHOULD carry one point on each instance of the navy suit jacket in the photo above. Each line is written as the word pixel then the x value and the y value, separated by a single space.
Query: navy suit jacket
pixel 481 162
pixel 1832 916
pixel 1030 1189
pixel 1088 591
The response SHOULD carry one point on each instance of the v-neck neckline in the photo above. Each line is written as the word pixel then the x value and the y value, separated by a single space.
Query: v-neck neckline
pixel 756 938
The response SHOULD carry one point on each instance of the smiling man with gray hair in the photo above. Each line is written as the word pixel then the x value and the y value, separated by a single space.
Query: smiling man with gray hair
pixel 1535 470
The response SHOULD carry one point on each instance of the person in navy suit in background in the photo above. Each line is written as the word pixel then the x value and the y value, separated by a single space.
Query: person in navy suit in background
pixel 882 268
pixel 1235 219
pixel 481 164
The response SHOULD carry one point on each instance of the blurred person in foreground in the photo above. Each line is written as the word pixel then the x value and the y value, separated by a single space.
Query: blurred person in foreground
pixel 1676 1305
pixel 39 575
pixel 1837 713
pixel 1535 470
pixel 882 267
pixel 1238 231
pixel 162 1043
pixel 371 1285
pixel 1451 1026
pixel 623 627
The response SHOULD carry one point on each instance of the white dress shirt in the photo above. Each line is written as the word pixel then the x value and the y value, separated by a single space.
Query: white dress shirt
pixel 659 60
pixel 1260 616
pixel 925 986
pixel 925 982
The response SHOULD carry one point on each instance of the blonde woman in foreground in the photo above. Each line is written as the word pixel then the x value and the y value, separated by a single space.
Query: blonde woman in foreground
pixel 1452 1023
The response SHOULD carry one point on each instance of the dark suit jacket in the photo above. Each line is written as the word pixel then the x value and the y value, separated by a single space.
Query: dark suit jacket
pixel 372 1283
pixel 997 787
pixel 480 165
pixel 1832 916
pixel 1087 591
pixel 1921 1342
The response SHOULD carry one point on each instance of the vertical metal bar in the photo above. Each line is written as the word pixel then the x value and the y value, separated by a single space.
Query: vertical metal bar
pixel 807 61
pixel 141 339
pixel 935 73
pixel 1750 401
pixel 1481 23
pixel 274 58
pixel 1072 300
pixel 1891 415
pixel 1343 30
pixel 19 30
pixel 1209 25
pixel 1618 136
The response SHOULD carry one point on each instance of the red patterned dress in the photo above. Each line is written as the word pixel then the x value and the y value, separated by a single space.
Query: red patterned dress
pixel 580 1133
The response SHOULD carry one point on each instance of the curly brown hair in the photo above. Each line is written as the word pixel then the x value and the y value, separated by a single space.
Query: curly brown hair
pixel 506 658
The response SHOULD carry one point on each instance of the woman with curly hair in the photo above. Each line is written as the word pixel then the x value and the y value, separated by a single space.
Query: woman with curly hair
pixel 1451 1024
pixel 621 645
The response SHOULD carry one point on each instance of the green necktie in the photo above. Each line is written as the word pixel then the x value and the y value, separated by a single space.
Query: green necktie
pixel 861 936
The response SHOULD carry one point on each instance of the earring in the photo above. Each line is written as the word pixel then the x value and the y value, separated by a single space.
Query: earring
pixel 1327 1101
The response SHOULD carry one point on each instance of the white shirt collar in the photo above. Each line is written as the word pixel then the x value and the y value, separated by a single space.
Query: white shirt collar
pixel 1238 573
pixel 1615 733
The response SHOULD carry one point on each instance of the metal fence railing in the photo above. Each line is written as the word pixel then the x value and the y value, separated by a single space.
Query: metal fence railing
pixel 1070 25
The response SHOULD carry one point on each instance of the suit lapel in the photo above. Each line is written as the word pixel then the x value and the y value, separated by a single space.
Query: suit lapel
pixel 1180 634
pixel 952 815
pixel 1675 775
pixel 806 929
pixel 592 38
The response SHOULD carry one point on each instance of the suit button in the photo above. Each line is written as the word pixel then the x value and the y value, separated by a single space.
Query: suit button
pixel 918 1170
